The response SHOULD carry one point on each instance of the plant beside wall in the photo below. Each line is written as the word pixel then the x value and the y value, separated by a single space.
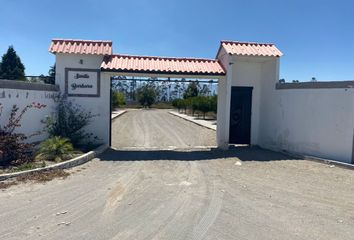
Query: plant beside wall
pixel 56 149
pixel 70 122
pixel 14 150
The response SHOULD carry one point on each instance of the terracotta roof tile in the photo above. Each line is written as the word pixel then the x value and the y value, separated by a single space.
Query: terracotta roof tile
pixel 251 49
pixel 149 64
pixel 77 46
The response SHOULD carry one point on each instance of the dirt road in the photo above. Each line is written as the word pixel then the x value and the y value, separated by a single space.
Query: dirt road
pixel 195 195
pixel 157 129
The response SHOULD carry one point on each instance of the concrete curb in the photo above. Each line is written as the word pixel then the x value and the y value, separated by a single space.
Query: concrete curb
pixel 329 161
pixel 320 160
pixel 63 165
pixel 119 114
pixel 189 120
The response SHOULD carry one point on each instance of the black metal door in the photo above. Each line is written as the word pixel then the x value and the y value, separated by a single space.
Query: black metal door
pixel 240 115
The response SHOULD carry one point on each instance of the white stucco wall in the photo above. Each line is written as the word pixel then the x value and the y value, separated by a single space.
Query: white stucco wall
pixel 99 106
pixel 317 122
pixel 31 121
pixel 224 91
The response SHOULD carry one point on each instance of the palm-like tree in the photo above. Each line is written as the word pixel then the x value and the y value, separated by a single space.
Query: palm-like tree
pixel 56 149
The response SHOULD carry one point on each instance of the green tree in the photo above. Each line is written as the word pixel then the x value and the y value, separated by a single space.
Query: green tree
pixel 191 91
pixel 118 99
pixel 205 91
pixel 51 75
pixel 11 66
pixel 146 95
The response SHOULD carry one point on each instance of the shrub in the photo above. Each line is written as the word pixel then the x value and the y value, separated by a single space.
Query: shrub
pixel 193 103
pixel 13 148
pixel 69 122
pixel 191 91
pixel 118 99
pixel 146 95
pixel 56 149
pixel 162 105
pixel 202 104
pixel 214 103
pixel 179 104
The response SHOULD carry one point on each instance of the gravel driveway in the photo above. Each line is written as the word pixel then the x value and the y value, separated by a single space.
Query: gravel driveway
pixel 157 129
pixel 195 195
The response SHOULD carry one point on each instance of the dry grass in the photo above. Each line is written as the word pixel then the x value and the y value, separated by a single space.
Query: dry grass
pixel 43 176
pixel 7 184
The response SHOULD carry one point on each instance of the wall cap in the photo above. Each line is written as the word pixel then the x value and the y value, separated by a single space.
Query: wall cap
pixel 22 85
pixel 315 85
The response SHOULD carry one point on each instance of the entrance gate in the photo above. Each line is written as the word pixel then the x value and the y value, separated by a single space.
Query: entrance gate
pixel 240 115
pixel 84 69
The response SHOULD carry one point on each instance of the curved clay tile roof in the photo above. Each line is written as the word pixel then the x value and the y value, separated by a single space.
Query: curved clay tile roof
pixel 149 64
pixel 251 49
pixel 77 46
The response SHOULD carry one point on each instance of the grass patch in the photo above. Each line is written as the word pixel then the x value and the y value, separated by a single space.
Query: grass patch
pixel 162 105
pixel 158 105
pixel 28 166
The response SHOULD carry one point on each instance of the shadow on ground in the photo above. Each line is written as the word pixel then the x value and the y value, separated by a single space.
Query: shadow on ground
pixel 242 153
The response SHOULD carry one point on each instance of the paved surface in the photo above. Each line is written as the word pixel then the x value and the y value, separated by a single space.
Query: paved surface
pixel 185 195
pixel 211 124
pixel 157 129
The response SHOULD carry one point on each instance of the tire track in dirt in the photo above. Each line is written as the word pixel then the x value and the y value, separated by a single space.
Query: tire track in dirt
pixel 123 185
pixel 88 201
pixel 184 199
pixel 167 211
pixel 84 197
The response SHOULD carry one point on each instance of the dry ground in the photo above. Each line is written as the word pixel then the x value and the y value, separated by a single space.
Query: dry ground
pixel 195 195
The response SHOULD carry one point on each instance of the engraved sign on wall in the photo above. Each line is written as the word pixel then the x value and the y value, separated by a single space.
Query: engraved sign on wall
pixel 82 82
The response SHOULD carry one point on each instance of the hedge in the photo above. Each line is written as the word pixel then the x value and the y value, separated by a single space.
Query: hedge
pixel 202 104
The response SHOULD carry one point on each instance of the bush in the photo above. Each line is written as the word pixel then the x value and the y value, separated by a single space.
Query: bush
pixel 191 91
pixel 118 99
pixel 70 122
pixel 56 149
pixel 146 95
pixel 13 148
pixel 179 104
pixel 162 105
pixel 202 104
pixel 214 103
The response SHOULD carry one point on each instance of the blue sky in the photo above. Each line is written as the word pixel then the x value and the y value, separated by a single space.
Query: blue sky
pixel 316 37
